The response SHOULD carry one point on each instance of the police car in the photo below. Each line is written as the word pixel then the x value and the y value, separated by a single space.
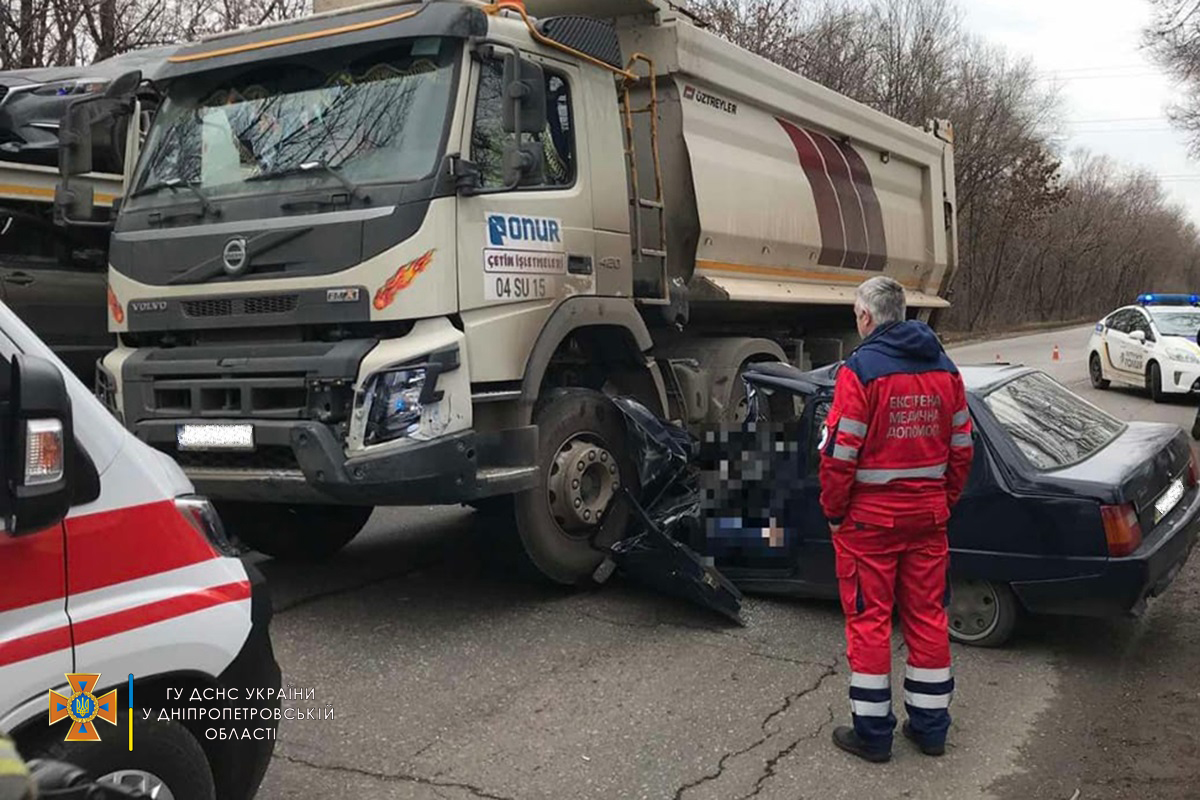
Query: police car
pixel 1151 344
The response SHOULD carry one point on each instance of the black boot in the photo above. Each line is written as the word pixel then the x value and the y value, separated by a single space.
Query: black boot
pixel 927 749
pixel 846 739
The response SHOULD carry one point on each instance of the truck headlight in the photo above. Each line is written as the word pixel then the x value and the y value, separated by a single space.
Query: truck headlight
pixel 1181 355
pixel 392 401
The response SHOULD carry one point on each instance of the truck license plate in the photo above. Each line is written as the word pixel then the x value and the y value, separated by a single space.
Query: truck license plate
pixel 215 437
pixel 1168 500
pixel 519 287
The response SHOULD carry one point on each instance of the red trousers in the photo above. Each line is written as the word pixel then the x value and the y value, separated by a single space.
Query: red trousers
pixel 903 567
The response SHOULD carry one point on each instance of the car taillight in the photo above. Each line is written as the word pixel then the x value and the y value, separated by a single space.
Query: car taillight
pixel 201 515
pixel 1121 529
pixel 1193 477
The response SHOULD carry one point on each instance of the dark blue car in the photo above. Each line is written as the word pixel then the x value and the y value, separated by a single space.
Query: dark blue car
pixel 1067 510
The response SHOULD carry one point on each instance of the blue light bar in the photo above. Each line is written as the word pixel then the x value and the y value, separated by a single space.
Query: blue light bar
pixel 1168 299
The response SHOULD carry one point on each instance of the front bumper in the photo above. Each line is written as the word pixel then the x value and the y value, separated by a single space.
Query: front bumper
pixel 311 466
pixel 1121 586
pixel 1181 378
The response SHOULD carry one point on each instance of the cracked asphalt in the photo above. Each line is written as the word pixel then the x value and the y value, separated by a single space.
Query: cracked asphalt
pixel 452 679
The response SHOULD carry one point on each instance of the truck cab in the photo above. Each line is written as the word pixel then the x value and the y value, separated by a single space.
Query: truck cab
pixel 401 253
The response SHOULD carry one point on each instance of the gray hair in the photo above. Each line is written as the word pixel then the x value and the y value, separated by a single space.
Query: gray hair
pixel 884 298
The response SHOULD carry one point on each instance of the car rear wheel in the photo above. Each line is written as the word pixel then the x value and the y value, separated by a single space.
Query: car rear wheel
pixel 1096 372
pixel 584 462
pixel 981 613
pixel 293 532
pixel 1154 382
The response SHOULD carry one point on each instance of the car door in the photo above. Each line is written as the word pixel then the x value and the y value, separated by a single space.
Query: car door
pixel 64 303
pixel 1117 344
pixel 536 243
pixel 1137 354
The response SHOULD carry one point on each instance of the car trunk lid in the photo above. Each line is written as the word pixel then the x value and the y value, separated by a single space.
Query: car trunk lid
pixel 1140 467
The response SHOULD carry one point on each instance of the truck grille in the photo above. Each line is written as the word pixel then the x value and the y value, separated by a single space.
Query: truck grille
pixel 227 307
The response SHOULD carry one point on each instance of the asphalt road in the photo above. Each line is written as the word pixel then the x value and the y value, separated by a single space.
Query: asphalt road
pixel 452 679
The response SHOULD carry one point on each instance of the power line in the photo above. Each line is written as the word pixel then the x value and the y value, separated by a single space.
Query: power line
pixel 1114 119
pixel 1109 131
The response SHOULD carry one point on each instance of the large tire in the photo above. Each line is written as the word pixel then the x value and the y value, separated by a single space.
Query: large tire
pixel 575 426
pixel 167 755
pixel 293 532
pixel 1154 382
pixel 1096 372
pixel 982 613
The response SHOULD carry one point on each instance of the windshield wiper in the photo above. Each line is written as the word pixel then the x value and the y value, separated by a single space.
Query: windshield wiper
pixel 174 184
pixel 313 166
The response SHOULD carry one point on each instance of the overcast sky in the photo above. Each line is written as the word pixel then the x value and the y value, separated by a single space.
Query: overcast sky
pixel 1114 98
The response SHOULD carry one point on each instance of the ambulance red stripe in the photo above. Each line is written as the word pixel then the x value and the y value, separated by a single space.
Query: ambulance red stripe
pixel 129 543
pixel 123 621
pixel 34 645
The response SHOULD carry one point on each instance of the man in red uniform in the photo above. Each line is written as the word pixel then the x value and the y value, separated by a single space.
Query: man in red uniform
pixel 895 454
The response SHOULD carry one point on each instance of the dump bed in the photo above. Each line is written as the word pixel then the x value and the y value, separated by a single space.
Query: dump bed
pixel 776 188
pixel 35 183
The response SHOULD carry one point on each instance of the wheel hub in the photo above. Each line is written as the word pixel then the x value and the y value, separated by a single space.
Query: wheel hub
pixel 974 609
pixel 583 481
pixel 141 781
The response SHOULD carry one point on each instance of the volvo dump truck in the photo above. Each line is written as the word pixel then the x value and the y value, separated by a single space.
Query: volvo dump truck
pixel 399 253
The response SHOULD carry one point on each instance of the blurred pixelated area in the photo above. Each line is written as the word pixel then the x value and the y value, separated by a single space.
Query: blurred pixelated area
pixel 749 477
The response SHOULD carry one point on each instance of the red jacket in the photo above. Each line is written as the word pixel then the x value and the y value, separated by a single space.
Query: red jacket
pixel 897 440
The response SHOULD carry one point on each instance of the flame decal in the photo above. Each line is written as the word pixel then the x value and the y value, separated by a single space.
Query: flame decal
pixel 114 306
pixel 401 280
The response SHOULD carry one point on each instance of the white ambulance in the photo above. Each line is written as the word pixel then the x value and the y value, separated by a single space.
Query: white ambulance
pixel 110 566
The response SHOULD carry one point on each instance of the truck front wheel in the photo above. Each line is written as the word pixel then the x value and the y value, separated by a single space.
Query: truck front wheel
pixel 293 532
pixel 584 462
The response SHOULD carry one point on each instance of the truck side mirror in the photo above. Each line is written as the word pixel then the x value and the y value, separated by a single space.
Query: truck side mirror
pixel 524 96
pixel 90 124
pixel 39 444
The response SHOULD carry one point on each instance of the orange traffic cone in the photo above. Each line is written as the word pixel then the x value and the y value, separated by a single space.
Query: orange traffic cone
pixel 1054 356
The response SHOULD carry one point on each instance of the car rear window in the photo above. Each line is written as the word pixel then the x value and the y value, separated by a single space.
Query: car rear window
pixel 1052 426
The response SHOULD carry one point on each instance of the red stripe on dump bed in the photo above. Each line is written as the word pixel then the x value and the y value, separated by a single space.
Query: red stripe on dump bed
pixel 853 219
pixel 34 645
pixel 872 211
pixel 829 215
pixel 118 622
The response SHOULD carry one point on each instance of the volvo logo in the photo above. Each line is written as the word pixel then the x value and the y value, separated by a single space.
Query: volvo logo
pixel 235 256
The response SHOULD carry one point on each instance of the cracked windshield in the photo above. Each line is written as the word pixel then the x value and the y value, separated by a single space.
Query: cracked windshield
pixel 369 118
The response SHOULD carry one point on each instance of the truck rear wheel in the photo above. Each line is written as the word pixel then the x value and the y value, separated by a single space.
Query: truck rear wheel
pixel 584 462
pixel 293 532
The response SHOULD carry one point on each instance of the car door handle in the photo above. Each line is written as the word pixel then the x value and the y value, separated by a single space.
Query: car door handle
pixel 19 278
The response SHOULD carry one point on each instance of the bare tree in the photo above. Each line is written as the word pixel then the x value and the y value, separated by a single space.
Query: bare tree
pixel 1174 40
